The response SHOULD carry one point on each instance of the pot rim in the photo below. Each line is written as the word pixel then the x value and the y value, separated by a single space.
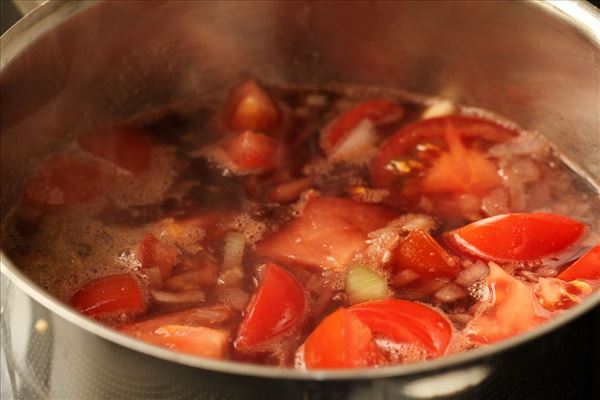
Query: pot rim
pixel 584 16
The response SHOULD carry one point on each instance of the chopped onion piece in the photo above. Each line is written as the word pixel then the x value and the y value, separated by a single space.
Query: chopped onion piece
pixel 405 277
pixel 475 273
pixel 440 108
pixel 450 293
pixel 233 253
pixel 193 279
pixel 190 297
pixel 357 141
pixel 234 297
pixel 363 284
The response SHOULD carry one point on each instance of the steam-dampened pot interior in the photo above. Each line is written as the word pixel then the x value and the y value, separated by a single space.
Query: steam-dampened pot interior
pixel 123 80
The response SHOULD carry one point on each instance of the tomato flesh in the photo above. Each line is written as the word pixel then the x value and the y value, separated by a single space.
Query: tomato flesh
pixel 109 296
pixel 587 267
pixel 460 170
pixel 276 309
pixel 63 180
pixel 516 237
pixel 341 340
pixel 250 108
pixel 251 152
pixel 420 253
pixel 154 253
pixel 126 148
pixel 406 322
pixel 460 127
pixel 555 294
pixel 327 234
pixel 377 111
pixel 510 309
pixel 196 340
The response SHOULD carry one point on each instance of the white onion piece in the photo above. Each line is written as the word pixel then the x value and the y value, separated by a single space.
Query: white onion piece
pixel 190 297
pixel 210 315
pixel 450 293
pixel 289 191
pixel 357 141
pixel 460 318
pixel 496 202
pixel 440 108
pixel 415 222
pixel 473 274
pixel 233 254
pixel 525 169
pixel 235 298
pixel 190 280
pixel 405 277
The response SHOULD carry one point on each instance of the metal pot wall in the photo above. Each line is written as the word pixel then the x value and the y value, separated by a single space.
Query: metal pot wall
pixel 82 65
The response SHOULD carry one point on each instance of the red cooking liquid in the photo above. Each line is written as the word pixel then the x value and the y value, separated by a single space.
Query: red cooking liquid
pixel 241 229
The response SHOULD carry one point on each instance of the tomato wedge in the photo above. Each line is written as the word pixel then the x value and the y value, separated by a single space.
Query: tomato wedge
pixel 197 340
pixel 111 296
pixel 252 152
pixel 587 267
pixel 154 253
pixel 275 310
pixel 420 253
pixel 330 230
pixel 124 147
pixel 516 237
pixel 460 127
pixel 341 340
pixel 62 180
pixel 250 108
pixel 379 112
pixel 510 309
pixel 406 322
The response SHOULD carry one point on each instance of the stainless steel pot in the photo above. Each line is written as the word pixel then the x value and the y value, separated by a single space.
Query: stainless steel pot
pixel 69 67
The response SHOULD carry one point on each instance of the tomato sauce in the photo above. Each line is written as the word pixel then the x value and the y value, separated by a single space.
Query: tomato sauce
pixel 331 227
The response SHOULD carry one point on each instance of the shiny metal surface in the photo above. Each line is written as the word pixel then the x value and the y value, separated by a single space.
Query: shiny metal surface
pixel 82 65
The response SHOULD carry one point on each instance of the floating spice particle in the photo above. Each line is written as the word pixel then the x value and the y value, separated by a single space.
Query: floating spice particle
pixel 404 167
pixel 427 147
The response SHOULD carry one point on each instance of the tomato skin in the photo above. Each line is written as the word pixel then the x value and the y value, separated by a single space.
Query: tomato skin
pixel 405 140
pixel 407 322
pixel 252 152
pixel 153 253
pixel 276 309
pixel 63 180
pixel 377 111
pixel 108 296
pixel 586 267
pixel 516 237
pixel 333 229
pixel 341 340
pixel 250 108
pixel 510 309
pixel 124 147
pixel 420 253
